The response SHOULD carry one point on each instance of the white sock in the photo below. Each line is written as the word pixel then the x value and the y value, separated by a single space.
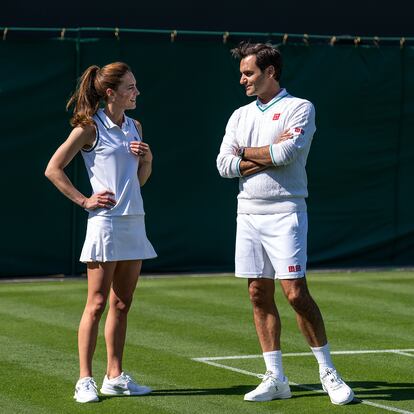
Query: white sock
pixel 273 361
pixel 323 356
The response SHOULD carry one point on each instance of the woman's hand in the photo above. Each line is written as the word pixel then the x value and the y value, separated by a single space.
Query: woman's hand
pixel 142 150
pixel 147 157
pixel 102 199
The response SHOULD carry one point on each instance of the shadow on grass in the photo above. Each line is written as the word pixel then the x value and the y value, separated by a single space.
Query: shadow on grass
pixel 369 390
pixel 195 392
pixel 238 390
pixel 234 390
pixel 381 390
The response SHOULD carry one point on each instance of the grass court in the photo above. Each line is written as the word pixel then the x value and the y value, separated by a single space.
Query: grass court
pixel 192 340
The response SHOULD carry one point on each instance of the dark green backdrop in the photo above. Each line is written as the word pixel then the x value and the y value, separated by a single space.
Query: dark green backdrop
pixel 360 167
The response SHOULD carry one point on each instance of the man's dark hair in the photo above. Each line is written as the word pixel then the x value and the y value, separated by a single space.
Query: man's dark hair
pixel 266 55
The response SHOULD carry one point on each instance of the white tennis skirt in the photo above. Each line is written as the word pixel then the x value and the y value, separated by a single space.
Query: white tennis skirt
pixel 110 239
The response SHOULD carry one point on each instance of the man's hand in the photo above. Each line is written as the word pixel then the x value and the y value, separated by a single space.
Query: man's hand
pixel 257 159
pixel 284 136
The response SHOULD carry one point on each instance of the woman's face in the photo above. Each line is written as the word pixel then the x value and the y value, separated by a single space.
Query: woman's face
pixel 126 93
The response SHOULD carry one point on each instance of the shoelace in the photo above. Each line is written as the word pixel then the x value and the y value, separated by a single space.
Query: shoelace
pixel 267 375
pixel 127 378
pixel 88 384
pixel 332 379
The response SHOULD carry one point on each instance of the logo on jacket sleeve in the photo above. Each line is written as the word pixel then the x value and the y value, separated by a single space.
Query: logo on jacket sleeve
pixel 276 117
pixel 299 131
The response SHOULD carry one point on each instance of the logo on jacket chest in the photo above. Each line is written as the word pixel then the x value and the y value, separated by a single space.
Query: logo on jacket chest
pixel 276 117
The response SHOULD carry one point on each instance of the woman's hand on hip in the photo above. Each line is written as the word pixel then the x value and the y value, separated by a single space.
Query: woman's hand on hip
pixel 103 199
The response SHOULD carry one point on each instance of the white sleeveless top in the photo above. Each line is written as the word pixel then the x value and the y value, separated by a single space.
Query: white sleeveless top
pixel 112 166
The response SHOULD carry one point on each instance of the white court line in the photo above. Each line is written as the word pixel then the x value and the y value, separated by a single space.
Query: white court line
pixel 295 354
pixel 209 361
pixel 404 353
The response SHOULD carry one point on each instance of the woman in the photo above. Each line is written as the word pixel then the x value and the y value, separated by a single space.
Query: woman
pixel 118 163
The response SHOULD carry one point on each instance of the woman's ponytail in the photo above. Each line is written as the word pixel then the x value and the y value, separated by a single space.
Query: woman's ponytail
pixel 86 99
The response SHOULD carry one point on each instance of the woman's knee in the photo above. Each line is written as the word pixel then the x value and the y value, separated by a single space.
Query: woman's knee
pixel 96 305
pixel 121 305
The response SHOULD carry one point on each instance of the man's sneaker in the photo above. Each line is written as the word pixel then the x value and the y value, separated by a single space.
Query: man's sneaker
pixel 123 385
pixel 86 391
pixel 338 391
pixel 269 389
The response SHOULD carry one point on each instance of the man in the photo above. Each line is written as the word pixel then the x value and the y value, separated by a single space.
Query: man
pixel 266 145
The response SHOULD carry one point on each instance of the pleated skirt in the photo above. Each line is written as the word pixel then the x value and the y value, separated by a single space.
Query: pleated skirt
pixel 110 239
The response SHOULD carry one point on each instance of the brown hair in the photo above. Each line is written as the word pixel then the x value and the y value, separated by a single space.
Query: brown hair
pixel 266 55
pixel 91 91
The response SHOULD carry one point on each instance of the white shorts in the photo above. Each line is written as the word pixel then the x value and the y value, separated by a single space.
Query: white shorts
pixel 109 239
pixel 271 246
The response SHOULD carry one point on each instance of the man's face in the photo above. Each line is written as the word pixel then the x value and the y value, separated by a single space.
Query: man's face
pixel 254 80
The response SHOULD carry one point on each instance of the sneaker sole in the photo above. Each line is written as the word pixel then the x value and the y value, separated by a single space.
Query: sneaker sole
pixel 282 397
pixel 347 401
pixel 123 393
pixel 85 401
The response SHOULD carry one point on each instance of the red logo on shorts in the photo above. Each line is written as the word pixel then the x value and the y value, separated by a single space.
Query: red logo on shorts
pixel 276 117
pixel 293 269
pixel 299 131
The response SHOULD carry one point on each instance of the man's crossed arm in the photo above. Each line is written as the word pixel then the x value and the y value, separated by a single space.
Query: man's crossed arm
pixel 257 159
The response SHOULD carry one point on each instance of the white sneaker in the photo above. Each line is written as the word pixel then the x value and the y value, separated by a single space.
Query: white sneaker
pixel 123 385
pixel 86 391
pixel 338 391
pixel 269 389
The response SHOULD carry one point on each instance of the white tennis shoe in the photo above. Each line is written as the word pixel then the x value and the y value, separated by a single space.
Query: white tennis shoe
pixel 269 389
pixel 123 385
pixel 86 390
pixel 332 383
